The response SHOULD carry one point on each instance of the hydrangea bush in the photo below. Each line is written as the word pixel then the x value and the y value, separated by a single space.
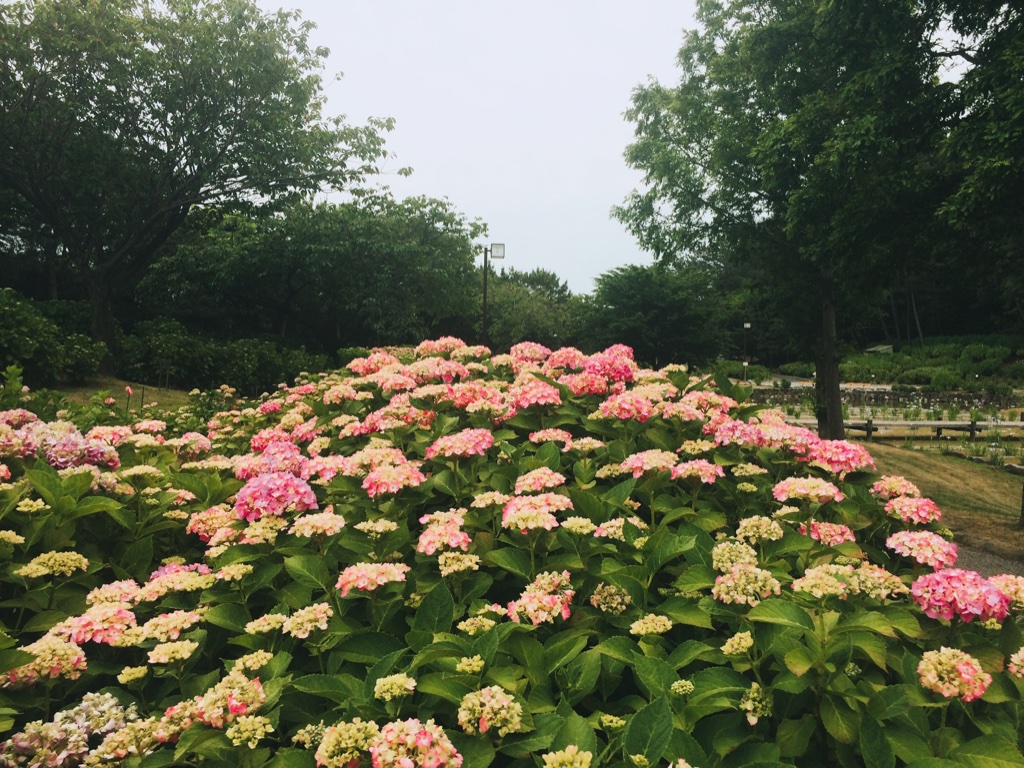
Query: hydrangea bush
pixel 540 558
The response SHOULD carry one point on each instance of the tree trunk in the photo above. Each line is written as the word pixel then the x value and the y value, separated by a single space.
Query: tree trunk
pixel 103 324
pixel 828 398
pixel 917 320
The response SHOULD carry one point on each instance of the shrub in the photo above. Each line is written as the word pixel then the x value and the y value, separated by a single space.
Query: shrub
pixel 498 569
pixel 46 354
pixel 801 369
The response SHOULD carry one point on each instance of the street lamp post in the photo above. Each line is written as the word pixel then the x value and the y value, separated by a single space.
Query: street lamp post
pixel 746 360
pixel 496 251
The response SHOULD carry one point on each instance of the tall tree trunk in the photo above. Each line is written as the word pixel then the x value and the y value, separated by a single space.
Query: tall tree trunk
pixel 917 320
pixel 828 398
pixel 103 324
pixel 895 317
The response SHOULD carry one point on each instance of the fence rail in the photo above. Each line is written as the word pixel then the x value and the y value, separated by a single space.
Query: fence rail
pixel 973 428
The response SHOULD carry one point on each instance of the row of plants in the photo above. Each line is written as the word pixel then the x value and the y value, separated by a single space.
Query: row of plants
pixel 47 341
pixel 940 365
pixel 543 558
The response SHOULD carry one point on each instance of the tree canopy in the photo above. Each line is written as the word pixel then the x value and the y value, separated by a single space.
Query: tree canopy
pixel 795 144
pixel 117 117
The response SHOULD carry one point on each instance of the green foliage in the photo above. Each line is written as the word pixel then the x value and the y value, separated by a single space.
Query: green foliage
pixel 46 354
pixel 607 614
pixel 121 116
pixel 666 313
pixel 372 271
pixel 164 352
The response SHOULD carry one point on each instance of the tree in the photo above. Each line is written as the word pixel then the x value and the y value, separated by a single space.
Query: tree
pixel 529 306
pixel 668 313
pixel 793 145
pixel 117 117
pixel 986 142
pixel 374 270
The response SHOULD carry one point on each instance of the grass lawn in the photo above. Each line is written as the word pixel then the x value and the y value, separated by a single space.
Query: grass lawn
pixel 169 399
pixel 982 504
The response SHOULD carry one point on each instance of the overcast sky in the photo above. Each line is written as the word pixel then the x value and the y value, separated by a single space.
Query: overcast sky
pixel 513 111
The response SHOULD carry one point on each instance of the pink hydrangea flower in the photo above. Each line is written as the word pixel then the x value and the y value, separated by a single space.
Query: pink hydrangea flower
pixel 273 494
pixel 528 390
pixel 645 461
pixel 581 384
pixel 925 547
pixel 952 672
pixel 614 364
pixel 702 469
pixel 529 351
pixel 364 366
pixel 839 456
pixel 626 405
pixel 412 744
pixel 468 442
pixel 955 592
pixel 912 510
pixel 539 479
pixel 807 488
pixel 391 478
pixel 547 597
pixel 526 513
pixel 444 529
pixel 566 358
pixel 367 577
pixel 894 485
pixel 829 534
pixel 552 436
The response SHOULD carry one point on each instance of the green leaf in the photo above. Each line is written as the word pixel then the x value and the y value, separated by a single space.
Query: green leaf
pixel 799 660
pixel 513 560
pixel 93 504
pixel 620 492
pixel 654 675
pixel 444 481
pixel 587 504
pixel 475 750
pixel 794 736
pixel 11 659
pixel 47 484
pixel 229 616
pixel 368 647
pixel 138 558
pixel 563 648
pixel 448 686
pixel 839 719
pixel 436 611
pixel 576 730
pixel 579 677
pixel 123 517
pixel 546 727
pixel 290 757
pixel 685 611
pixel 988 752
pixel 775 610
pixel 331 687
pixel 649 731
pixel 874 746
pixel 44 621
pixel 204 742
pixel 308 570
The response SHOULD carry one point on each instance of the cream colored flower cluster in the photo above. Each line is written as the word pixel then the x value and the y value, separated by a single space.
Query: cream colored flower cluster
pixel 391 687
pixel 727 554
pixel 490 708
pixel 53 564
pixel 745 584
pixel 610 599
pixel 651 624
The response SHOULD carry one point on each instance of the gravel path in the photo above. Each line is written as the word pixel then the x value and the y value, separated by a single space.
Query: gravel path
pixel 986 563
